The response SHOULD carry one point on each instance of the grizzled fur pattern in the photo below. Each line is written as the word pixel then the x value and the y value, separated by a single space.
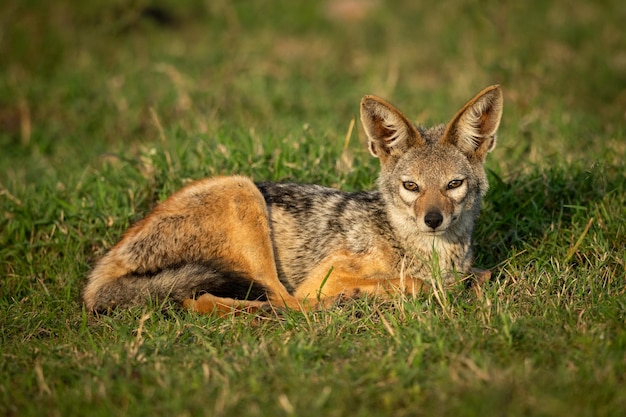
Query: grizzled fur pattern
pixel 224 244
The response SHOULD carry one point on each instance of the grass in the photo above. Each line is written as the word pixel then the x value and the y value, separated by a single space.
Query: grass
pixel 106 108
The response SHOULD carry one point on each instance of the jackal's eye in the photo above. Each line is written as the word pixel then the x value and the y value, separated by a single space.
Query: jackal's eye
pixel 454 184
pixel 410 185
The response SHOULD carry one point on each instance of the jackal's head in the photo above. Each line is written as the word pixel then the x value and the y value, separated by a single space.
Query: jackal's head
pixel 433 179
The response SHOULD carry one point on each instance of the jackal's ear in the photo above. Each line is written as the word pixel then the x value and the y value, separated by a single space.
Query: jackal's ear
pixel 473 129
pixel 389 131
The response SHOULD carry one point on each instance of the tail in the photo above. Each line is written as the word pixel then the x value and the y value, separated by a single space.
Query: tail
pixel 176 283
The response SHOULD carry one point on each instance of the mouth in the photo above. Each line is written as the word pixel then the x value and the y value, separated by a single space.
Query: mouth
pixel 434 232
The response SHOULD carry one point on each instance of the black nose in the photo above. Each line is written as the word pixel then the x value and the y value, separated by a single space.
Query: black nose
pixel 433 219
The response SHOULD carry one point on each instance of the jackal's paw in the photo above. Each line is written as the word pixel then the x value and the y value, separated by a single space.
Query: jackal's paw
pixel 343 298
pixel 202 305
pixel 480 276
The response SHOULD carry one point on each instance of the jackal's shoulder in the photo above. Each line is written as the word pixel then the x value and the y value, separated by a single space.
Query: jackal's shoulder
pixel 326 217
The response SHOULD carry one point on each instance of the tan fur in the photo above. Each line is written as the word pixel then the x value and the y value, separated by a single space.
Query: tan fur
pixel 226 244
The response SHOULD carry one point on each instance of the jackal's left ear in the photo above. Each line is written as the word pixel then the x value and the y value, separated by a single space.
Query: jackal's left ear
pixel 473 129
pixel 389 131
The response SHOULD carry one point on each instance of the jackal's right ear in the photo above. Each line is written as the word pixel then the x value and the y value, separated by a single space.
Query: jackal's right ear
pixel 389 131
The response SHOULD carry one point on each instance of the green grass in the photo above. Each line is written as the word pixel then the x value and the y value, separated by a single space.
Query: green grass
pixel 107 107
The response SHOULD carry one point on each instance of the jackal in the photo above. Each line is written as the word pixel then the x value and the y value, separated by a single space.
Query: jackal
pixel 224 244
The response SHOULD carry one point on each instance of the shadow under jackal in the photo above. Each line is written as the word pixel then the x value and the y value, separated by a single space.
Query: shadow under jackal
pixel 224 244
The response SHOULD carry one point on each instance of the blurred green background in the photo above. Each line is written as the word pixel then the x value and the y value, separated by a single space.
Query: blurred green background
pixel 81 78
